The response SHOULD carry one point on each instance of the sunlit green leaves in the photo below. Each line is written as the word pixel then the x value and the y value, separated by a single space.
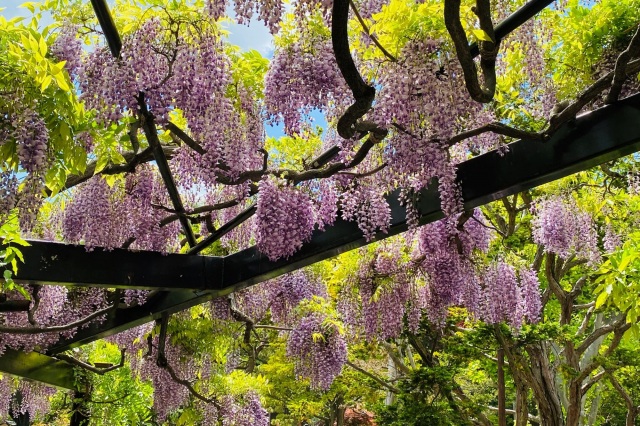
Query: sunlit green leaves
pixel 619 279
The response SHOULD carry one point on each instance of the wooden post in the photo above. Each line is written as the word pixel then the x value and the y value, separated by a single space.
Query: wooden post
pixel 502 414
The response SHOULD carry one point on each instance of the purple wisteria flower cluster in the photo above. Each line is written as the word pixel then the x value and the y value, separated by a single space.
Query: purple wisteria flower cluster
pixel 284 219
pixel 319 351
pixel 563 228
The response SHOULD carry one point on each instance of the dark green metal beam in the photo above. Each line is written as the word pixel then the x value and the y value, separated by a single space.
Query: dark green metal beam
pixel 592 139
pixel 38 367
pixel 67 264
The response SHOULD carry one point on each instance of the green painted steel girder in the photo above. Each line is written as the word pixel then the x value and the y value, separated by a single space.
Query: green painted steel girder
pixel 593 138
pixel 38 367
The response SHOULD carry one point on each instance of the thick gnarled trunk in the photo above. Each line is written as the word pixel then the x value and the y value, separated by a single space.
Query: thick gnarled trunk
pixel 543 387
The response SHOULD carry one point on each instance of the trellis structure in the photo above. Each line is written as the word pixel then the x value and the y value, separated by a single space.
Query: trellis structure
pixel 181 281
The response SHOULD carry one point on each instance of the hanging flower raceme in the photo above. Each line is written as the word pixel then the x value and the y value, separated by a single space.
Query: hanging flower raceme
pixel 284 219
pixel 301 79
pixel 8 194
pixel 246 410
pixel 565 229
pixel 510 297
pixel 291 289
pixel 168 394
pixel 68 47
pixel 446 259
pixel 93 217
pixel 318 349
pixel 375 300
pixel 32 136
pixel 367 206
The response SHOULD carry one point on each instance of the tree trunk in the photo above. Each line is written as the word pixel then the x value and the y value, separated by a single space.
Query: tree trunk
pixel 393 375
pixel 340 415
pixel 631 416
pixel 336 414
pixel 543 387
pixel 20 419
pixel 502 403
pixel 575 403
pixel 80 416
pixel 522 410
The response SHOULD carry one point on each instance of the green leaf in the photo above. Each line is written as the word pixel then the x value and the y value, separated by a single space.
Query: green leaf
pixel 625 261
pixel 46 81
pixel 29 5
pixel 19 241
pixel 56 68
pixel 42 46
pixel 17 253
pixel 25 41
pixel 103 161
pixel 481 34
pixel 318 337
pixel 33 43
pixel 602 297
pixel 62 82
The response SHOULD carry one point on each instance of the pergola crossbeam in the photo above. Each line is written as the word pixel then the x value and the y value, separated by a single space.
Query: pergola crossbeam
pixel 38 367
pixel 592 139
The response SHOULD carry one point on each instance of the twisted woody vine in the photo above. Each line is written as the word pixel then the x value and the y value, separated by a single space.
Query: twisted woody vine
pixel 404 331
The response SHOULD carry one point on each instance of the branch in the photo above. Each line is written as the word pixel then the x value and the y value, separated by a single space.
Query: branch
pixel 190 387
pixel 620 323
pixel 532 418
pixel 537 260
pixel 619 72
pixel 163 363
pixel 585 320
pixel 375 136
pixel 239 219
pixel 198 210
pixel 373 377
pixel 365 174
pixel 55 328
pixel 371 36
pixel 568 265
pixel 240 316
pixel 132 161
pixel 553 283
pixel 497 128
pixel 488 49
pixel 93 368
pixel 362 92
pixel 584 306
pixel 36 304
pixel 618 387
pixel 595 379
pixel 617 337
pixel 272 327
pixel 589 94
pixel 397 361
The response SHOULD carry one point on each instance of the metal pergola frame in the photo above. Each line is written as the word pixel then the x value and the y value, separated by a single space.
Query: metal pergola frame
pixel 186 280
